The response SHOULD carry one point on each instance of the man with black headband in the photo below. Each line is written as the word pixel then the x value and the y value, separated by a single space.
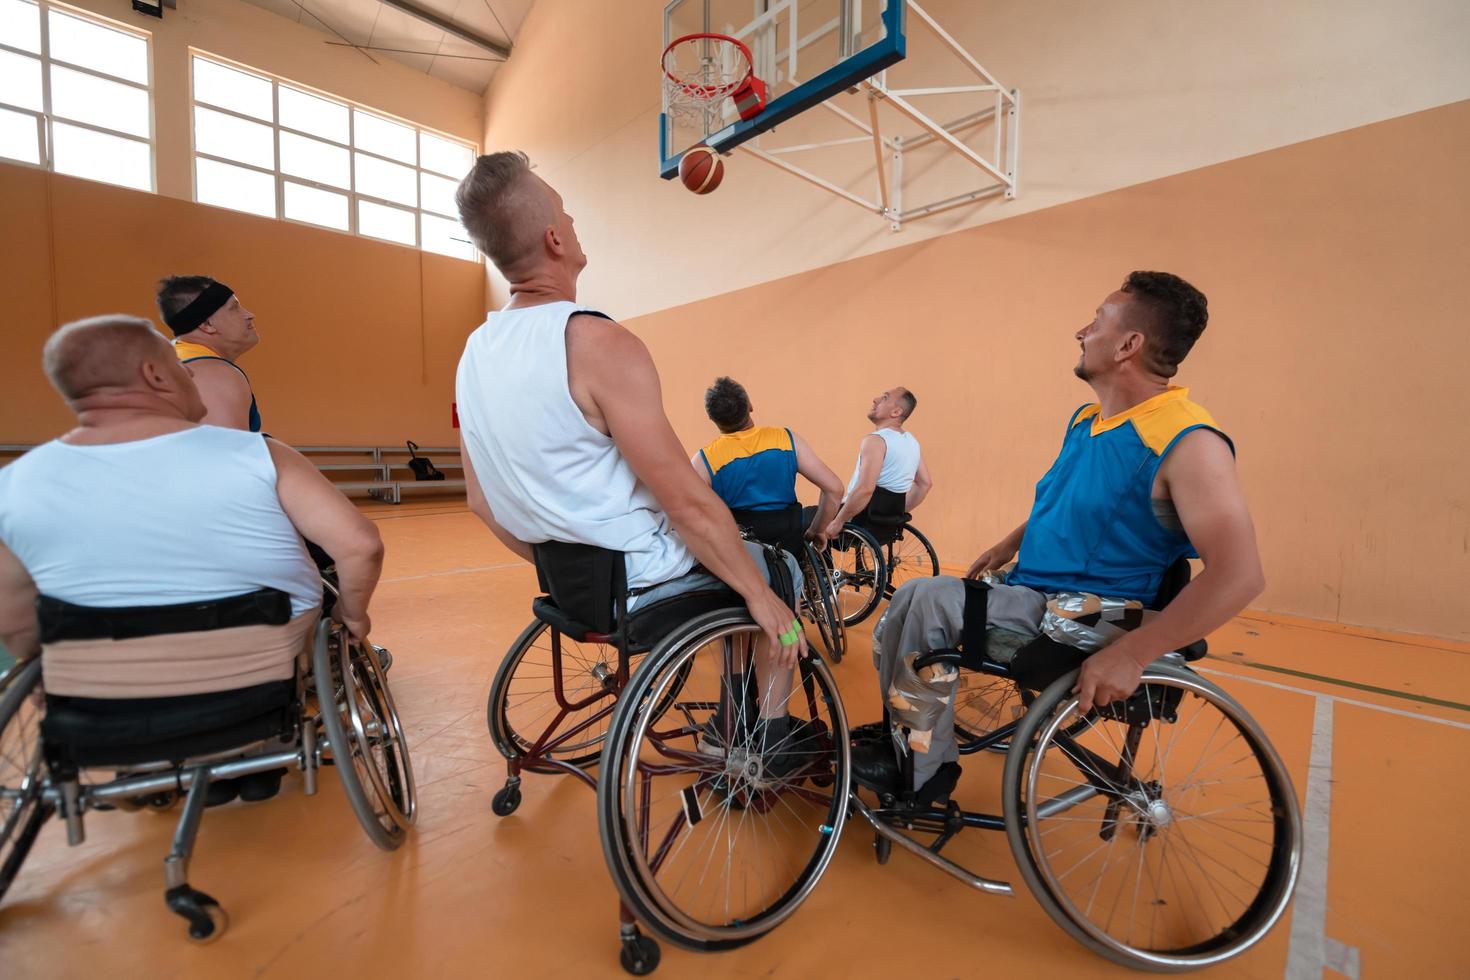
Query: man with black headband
pixel 211 331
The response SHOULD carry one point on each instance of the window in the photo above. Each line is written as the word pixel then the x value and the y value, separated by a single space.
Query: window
pixel 74 94
pixel 269 147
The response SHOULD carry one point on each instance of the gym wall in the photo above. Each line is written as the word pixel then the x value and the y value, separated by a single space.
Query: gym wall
pixel 359 338
pixel 1334 266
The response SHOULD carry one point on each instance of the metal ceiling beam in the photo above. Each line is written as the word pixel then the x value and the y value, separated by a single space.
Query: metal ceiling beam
pixel 448 26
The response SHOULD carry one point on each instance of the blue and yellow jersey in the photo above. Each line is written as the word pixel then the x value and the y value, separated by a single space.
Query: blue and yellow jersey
pixel 1093 527
pixel 198 352
pixel 753 469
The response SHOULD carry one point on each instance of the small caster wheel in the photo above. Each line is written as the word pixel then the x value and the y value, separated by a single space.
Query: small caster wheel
pixel 639 955
pixel 506 801
pixel 162 802
pixel 207 921
pixel 882 847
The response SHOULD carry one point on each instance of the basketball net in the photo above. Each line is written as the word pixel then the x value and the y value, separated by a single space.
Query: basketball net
pixel 701 71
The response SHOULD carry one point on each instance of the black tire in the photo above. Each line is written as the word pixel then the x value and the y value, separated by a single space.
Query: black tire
pixel 524 679
pixel 907 557
pixel 375 769
pixel 22 769
pixel 698 787
pixel 819 605
pixel 1120 801
pixel 855 562
pixel 640 955
pixel 506 800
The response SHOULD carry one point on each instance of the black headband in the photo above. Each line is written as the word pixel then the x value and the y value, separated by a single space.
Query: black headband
pixel 201 308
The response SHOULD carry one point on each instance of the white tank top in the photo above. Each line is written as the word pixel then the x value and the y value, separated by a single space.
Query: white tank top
pixel 900 462
pixel 547 474
pixel 184 517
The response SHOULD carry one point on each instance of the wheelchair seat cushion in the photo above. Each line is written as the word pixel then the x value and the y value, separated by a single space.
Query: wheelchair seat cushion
pixel 650 623
pixel 129 731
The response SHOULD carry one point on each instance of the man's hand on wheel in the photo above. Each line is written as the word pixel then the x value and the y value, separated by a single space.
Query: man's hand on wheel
pixel 989 561
pixel 357 626
pixel 832 530
pixel 1109 675
pixel 781 627
pixel 818 538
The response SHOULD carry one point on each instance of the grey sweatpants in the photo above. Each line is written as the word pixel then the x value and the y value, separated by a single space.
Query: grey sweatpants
pixel 929 614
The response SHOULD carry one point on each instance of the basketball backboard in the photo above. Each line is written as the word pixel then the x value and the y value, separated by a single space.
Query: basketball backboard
pixel 805 51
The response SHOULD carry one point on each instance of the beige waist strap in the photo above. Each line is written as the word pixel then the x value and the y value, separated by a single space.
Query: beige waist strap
pixel 176 664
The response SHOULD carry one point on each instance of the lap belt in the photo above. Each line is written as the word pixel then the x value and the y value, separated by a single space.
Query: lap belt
pixel 60 621
pixel 972 628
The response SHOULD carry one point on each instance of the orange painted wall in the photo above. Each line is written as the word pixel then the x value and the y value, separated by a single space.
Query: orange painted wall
pixel 359 338
pixel 1336 356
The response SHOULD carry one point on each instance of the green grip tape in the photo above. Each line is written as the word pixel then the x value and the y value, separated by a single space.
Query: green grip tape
pixel 792 632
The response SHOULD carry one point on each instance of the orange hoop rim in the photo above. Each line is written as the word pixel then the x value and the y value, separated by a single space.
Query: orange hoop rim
pixel 707 92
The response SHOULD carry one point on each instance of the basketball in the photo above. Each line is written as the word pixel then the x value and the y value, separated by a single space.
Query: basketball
pixel 701 169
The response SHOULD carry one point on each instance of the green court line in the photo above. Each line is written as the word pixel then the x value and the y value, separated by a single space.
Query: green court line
pixel 1388 692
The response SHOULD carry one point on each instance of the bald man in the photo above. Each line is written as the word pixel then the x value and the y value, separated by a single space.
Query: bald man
pixel 88 518
pixel 212 330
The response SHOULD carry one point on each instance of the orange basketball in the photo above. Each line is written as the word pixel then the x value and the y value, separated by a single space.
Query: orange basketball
pixel 701 169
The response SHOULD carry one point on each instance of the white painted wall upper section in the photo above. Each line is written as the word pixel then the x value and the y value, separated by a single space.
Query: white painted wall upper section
pixel 1113 94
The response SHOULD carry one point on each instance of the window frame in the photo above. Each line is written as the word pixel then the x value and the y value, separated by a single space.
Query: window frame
pixel 281 178
pixel 46 118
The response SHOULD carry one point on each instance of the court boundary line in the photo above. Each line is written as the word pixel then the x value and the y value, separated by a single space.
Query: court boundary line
pixel 1352 701
pixel 1341 682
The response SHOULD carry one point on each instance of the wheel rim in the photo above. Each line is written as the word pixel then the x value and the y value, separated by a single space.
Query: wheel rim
pixel 720 849
pixel 984 703
pixel 819 604
pixel 379 750
pixel 20 767
pixel 857 576
pixel 907 557
pixel 528 702
pixel 1204 839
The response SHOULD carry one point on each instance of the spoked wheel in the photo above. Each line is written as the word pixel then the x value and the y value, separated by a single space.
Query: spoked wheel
pixel 907 557
pixel 714 828
pixel 363 728
pixel 819 605
pixel 983 703
pixel 22 811
pixel 523 698
pixel 858 575
pixel 1164 836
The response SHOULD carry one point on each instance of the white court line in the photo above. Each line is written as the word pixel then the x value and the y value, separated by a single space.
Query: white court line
pixel 1306 951
pixel 456 571
pixel 1333 697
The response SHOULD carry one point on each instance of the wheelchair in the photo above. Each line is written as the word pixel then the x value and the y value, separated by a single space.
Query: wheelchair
pixel 685 771
pixel 63 755
pixel 876 553
pixel 818 608
pixel 1162 832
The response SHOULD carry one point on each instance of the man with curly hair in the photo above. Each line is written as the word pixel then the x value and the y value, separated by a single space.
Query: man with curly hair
pixel 1143 479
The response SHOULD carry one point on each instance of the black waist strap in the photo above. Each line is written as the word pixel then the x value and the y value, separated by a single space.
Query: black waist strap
pixel 67 621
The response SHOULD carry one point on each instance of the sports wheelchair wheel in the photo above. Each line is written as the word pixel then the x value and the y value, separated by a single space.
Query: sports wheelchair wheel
pixel 858 574
pixel 22 811
pixel 1162 832
pixel 907 557
pixel 366 738
pixel 523 696
pixel 819 604
pixel 712 838
pixel 983 703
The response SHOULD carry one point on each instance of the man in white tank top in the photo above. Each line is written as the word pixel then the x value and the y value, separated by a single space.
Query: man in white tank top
pixel 86 518
pixel 888 459
pixel 562 426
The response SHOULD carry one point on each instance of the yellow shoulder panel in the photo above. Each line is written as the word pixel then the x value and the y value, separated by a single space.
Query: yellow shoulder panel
pixel 1159 427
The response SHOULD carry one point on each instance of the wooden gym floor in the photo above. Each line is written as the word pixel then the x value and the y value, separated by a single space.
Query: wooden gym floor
pixel 1374 727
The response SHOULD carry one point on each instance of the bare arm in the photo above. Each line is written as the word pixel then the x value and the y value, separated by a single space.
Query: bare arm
pixel 322 515
pixel 19 631
pixel 480 507
pixel 998 554
pixel 225 392
pixel 922 485
pixel 870 464
pixel 810 465
pixel 611 369
pixel 1200 478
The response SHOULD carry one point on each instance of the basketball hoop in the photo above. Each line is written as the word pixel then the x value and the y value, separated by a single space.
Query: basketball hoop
pixel 701 70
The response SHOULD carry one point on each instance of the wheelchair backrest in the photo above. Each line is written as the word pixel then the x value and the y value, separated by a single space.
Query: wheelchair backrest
pixel 1176 577
pixel 587 583
pixel 782 527
pixel 886 507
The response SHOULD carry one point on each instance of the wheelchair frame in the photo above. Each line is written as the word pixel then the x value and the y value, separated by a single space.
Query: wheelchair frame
pixel 381 792
pixel 873 583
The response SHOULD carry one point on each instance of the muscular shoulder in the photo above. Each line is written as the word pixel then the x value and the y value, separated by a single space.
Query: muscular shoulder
pixel 1199 454
pixel 218 373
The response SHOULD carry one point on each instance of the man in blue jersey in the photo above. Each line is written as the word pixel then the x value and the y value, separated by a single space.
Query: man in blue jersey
pixel 753 469
pixel 1144 478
